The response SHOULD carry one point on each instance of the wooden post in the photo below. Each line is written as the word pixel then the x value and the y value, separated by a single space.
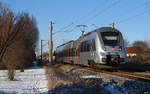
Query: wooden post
pixel 50 42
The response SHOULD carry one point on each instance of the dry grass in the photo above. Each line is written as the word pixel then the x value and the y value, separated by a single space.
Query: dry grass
pixel 59 77
pixel 56 77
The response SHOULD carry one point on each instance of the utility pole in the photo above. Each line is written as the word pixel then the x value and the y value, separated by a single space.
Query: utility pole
pixel 50 42
pixel 41 50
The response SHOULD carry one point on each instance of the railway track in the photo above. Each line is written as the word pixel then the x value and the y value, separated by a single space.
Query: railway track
pixel 119 73
pixel 147 71
pixel 128 75
pixel 133 76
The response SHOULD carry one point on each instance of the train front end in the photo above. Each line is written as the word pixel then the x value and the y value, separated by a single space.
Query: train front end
pixel 111 48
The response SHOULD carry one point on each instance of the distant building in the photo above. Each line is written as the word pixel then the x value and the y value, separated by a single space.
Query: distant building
pixel 132 51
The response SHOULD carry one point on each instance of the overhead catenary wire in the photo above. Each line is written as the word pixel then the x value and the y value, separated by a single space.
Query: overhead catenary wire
pixel 132 17
pixel 81 18
pixel 65 28
pixel 68 27
pixel 61 30
pixel 89 13
pixel 103 11
pixel 131 10
pixel 94 16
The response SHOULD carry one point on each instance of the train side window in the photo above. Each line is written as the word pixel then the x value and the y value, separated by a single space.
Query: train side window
pixel 85 45
pixel 89 42
pixel 70 52
pixel 57 54
pixel 81 47
pixel 65 53
pixel 86 49
pixel 74 52
pixel 93 45
pixel 60 54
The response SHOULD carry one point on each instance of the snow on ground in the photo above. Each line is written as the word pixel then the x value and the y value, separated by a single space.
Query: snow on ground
pixel 91 76
pixel 109 84
pixel 30 81
pixel 69 80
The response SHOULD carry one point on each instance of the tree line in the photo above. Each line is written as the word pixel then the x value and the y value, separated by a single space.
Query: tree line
pixel 142 54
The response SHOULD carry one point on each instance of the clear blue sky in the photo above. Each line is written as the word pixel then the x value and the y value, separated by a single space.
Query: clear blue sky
pixel 132 17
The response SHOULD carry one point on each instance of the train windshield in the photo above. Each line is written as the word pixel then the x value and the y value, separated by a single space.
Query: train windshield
pixel 110 38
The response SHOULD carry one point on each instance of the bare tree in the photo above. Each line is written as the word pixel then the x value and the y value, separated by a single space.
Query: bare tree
pixel 25 42
pixel 143 45
pixel 10 26
pixel 143 54
pixel 18 39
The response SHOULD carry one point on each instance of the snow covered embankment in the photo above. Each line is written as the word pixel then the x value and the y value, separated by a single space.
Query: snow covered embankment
pixel 60 82
pixel 66 79
pixel 27 82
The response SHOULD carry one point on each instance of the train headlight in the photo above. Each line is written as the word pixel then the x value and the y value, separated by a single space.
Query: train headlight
pixel 120 48
pixel 105 49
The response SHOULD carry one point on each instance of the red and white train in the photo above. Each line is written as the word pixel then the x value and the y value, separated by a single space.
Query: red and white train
pixel 101 46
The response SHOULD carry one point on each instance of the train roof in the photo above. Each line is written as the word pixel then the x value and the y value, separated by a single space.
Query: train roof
pixel 65 43
pixel 106 29
pixel 102 29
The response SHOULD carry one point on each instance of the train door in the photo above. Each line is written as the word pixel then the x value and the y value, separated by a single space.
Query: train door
pixel 63 57
pixel 68 53
pixel 92 49
pixel 75 58
pixel 78 53
pixel 71 55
